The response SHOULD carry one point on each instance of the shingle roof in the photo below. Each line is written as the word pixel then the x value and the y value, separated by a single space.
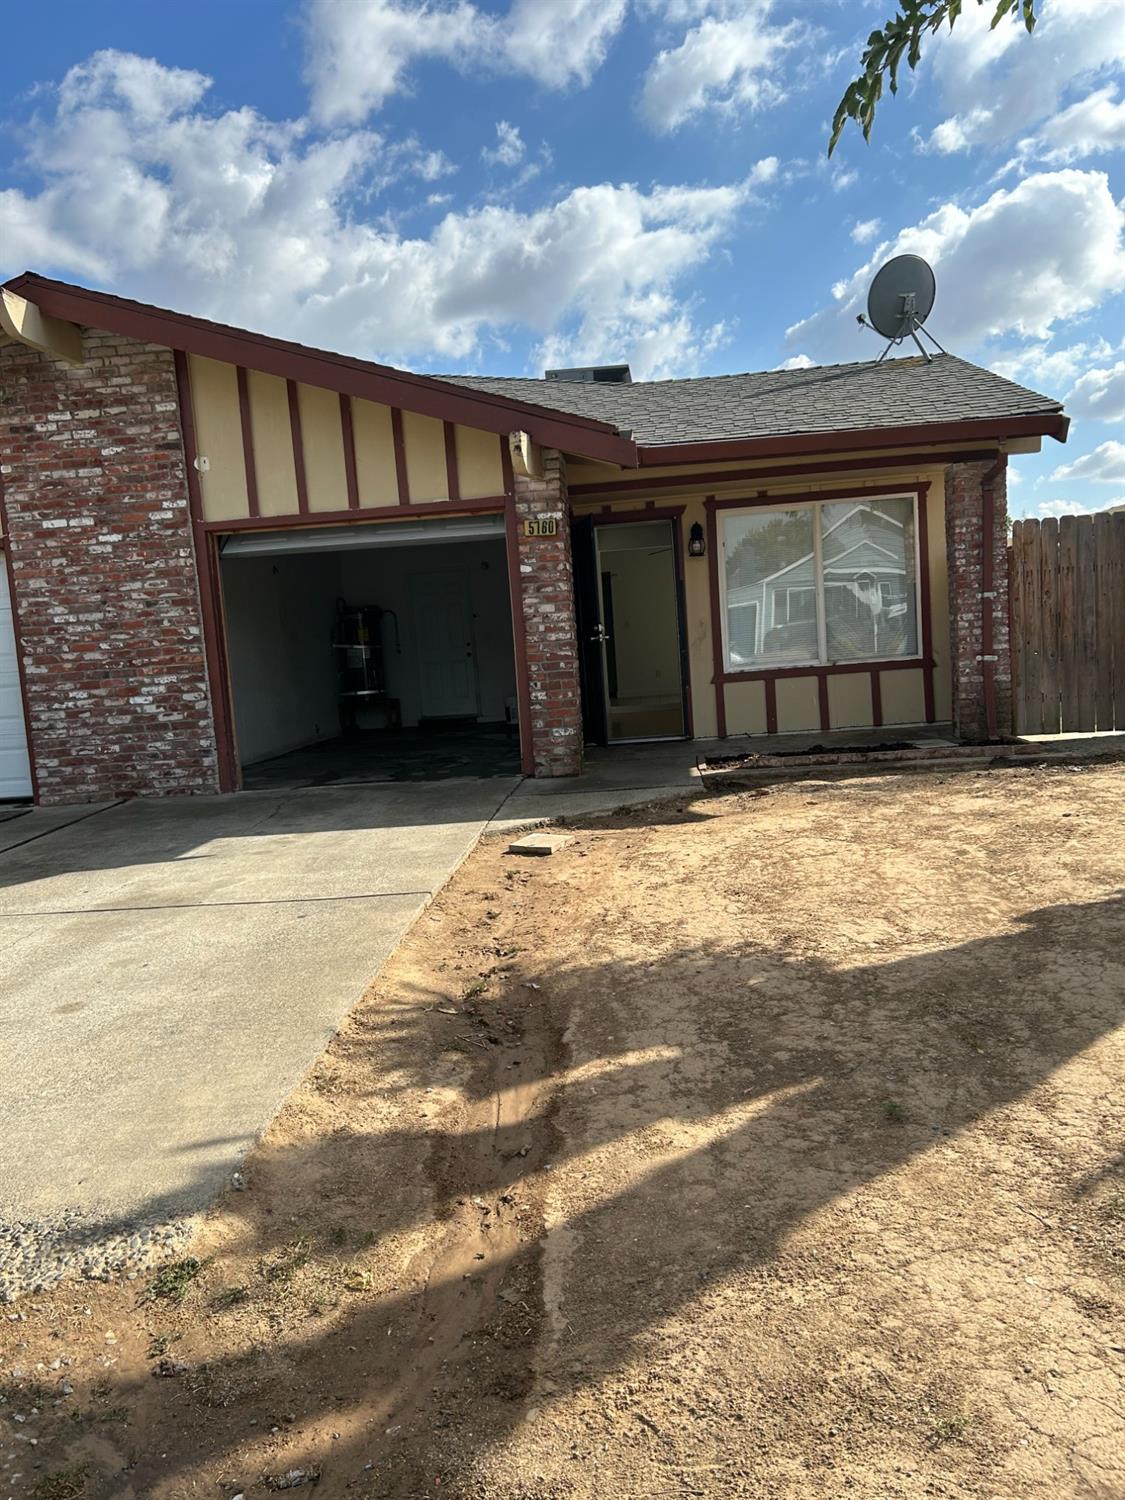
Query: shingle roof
pixel 778 403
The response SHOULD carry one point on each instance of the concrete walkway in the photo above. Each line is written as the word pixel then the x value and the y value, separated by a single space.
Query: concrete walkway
pixel 171 969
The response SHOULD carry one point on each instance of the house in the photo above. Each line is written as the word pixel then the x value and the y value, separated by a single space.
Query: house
pixel 222 548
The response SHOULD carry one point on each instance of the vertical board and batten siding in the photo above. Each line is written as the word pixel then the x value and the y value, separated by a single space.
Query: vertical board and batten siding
pixel 315 452
pixel 1068 624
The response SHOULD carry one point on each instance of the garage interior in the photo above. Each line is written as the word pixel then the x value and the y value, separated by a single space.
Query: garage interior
pixel 378 652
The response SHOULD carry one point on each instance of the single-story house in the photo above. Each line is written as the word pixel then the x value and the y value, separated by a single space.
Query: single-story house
pixel 222 548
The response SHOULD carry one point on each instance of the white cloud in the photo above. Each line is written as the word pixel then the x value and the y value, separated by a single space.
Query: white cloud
pixel 1100 393
pixel 796 362
pixel 1051 367
pixel 360 51
pixel 1105 464
pixel 255 222
pixel 1058 508
pixel 1000 85
pixel 1093 125
pixel 509 149
pixel 866 230
pixel 727 61
pixel 1070 235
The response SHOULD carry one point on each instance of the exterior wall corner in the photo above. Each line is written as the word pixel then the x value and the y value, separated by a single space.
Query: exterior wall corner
pixel 976 527
pixel 550 632
pixel 103 570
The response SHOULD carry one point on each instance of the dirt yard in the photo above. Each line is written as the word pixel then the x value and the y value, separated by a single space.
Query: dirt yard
pixel 764 1146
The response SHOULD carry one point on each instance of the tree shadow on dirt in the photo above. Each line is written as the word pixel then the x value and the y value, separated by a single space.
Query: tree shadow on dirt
pixel 780 1087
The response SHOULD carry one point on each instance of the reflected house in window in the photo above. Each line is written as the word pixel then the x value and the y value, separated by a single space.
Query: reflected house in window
pixel 861 572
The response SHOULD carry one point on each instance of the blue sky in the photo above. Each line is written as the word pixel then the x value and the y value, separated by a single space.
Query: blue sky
pixel 498 185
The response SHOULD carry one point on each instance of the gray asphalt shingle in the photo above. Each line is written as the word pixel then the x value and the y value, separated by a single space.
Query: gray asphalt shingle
pixel 778 403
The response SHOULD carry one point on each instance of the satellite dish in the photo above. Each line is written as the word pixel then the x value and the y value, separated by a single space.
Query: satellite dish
pixel 900 300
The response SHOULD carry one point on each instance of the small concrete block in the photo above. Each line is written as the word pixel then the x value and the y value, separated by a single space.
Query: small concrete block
pixel 540 843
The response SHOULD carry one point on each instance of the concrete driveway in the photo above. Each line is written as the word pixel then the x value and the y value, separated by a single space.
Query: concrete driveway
pixel 169 970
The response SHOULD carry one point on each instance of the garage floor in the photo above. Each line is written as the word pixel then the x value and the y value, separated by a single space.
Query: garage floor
pixel 374 755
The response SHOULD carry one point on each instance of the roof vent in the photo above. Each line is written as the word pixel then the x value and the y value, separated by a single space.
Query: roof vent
pixel 594 375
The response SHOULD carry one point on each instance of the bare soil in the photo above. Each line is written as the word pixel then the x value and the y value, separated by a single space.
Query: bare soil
pixel 763 1145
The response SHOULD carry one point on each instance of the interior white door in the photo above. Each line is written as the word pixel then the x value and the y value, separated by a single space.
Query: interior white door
pixel 15 767
pixel 447 667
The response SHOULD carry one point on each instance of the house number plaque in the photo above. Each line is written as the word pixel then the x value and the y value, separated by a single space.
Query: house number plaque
pixel 541 526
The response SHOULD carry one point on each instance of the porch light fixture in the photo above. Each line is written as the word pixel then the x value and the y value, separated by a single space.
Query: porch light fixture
pixel 696 545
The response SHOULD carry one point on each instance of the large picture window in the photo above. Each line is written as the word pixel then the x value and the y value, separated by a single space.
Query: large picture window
pixel 820 583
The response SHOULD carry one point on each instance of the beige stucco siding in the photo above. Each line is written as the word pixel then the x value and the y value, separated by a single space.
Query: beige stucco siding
pixel 376 478
pixel 425 458
pixel 218 439
pixel 323 439
pixel 479 463
pixel 798 705
pixel 849 700
pixel 904 699
pixel 746 708
pixel 273 444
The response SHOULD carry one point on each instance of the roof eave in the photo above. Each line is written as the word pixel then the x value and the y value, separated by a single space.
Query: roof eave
pixel 584 437
pixel 1036 424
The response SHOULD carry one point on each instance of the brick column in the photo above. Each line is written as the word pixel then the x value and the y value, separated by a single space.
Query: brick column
pixel 967 488
pixel 547 583
pixel 95 495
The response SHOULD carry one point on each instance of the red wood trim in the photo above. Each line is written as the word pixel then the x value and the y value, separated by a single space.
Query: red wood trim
pixel 613 517
pixel 876 700
pixel 783 471
pixel 507 473
pixel 926 623
pixel 519 635
pixel 248 442
pixel 488 504
pixel 452 479
pixel 822 700
pixel 298 447
pixel 681 605
pixel 1037 424
pixel 399 438
pixel 336 372
pixel 715 598
pixel 829 669
pixel 771 705
pixel 17 641
pixel 347 432
pixel 805 497
pixel 214 638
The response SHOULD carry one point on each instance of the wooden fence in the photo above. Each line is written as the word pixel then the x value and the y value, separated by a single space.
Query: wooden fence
pixel 1067 580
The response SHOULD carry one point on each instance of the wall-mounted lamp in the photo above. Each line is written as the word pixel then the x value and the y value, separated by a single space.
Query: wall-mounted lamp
pixel 696 545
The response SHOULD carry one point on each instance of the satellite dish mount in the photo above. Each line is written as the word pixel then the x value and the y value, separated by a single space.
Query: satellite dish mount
pixel 899 302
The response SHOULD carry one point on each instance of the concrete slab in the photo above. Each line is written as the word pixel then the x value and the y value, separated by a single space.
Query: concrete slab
pixel 171 969
pixel 30 823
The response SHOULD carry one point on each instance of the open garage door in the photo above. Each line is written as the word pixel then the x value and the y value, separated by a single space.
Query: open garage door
pixel 371 652
pixel 15 765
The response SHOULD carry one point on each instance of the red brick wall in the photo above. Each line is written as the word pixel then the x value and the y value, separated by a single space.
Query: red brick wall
pixel 965 544
pixel 547 581
pixel 95 493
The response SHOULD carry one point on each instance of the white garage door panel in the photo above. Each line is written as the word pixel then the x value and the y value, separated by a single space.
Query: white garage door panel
pixel 15 769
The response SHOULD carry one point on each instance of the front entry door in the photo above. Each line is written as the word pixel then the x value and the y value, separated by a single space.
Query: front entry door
pixel 447 668
pixel 632 645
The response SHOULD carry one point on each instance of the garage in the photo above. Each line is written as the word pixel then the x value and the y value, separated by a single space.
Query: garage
pixel 15 764
pixel 371 652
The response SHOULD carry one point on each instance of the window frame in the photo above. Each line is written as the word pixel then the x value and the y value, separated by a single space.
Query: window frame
pixel 822 662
